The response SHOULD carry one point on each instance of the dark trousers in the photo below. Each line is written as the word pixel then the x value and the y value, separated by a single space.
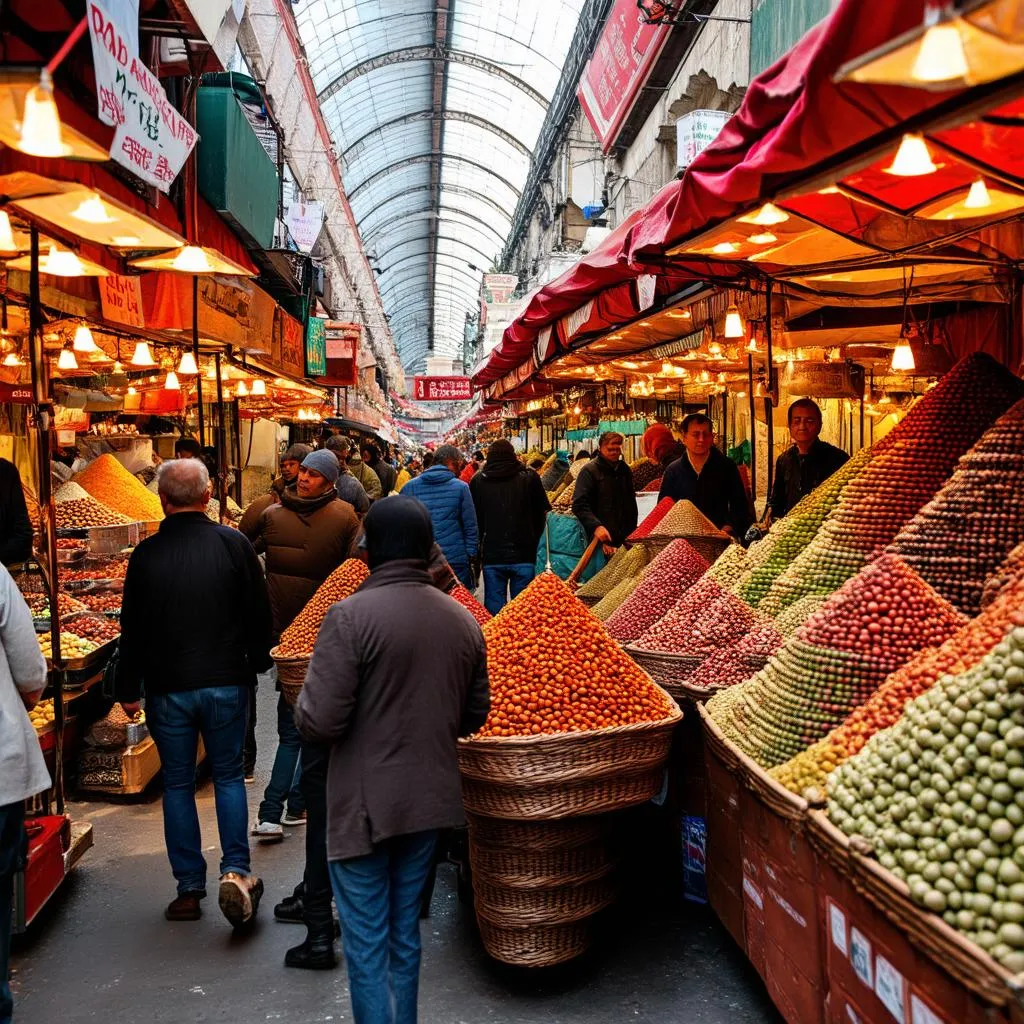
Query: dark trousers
pixel 284 785
pixel 316 907
pixel 12 857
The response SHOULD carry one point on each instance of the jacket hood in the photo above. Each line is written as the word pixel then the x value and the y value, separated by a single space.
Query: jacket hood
pixel 502 462
pixel 306 506
pixel 437 475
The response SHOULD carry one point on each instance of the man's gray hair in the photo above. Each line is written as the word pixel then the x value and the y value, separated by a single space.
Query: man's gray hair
pixel 183 482
pixel 447 453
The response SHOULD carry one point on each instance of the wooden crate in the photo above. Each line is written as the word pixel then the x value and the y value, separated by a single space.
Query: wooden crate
pixel 139 765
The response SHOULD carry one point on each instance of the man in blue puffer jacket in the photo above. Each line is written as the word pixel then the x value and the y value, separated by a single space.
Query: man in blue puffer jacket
pixel 451 509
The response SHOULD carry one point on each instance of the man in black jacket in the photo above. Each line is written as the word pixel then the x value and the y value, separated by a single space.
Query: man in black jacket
pixel 386 473
pixel 202 584
pixel 15 527
pixel 511 507
pixel 707 478
pixel 604 500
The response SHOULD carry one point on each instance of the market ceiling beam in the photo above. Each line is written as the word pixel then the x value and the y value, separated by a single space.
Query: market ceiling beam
pixel 443 25
pixel 437 237
pixel 438 54
pixel 426 213
pixel 447 189
pixel 353 152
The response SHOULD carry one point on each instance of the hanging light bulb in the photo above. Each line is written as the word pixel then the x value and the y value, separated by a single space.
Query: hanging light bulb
pixel 752 345
pixel 768 214
pixel 84 341
pixel 61 263
pixel 725 248
pixel 211 370
pixel 187 367
pixel 242 391
pixel 12 359
pixel 734 323
pixel 171 381
pixel 117 367
pixel 763 238
pixel 66 360
pixel 978 197
pixel 192 260
pixel 142 356
pixel 131 390
pixel 259 386
pixel 903 358
pixel 7 243
pixel 92 211
pixel 940 54
pixel 40 124
pixel 912 158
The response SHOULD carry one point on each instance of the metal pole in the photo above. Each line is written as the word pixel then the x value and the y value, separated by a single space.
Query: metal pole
pixel 862 419
pixel 222 451
pixel 768 409
pixel 195 355
pixel 753 427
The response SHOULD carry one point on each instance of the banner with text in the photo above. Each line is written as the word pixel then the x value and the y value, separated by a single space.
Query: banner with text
pixel 442 389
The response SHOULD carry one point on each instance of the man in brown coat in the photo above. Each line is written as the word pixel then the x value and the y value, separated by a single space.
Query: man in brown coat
pixel 399 673
pixel 290 463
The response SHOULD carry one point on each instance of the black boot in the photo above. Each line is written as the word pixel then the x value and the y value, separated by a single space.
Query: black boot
pixel 289 910
pixel 315 954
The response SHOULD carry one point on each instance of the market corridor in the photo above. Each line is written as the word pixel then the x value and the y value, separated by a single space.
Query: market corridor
pixel 103 951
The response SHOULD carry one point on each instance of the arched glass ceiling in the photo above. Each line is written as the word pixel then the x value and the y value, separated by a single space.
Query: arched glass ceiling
pixel 435 107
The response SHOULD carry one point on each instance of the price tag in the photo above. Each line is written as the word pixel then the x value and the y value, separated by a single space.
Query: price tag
pixel 860 956
pixel 890 988
pixel 837 925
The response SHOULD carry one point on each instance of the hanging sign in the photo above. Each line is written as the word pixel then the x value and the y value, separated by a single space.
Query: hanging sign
pixel 646 290
pixel 304 222
pixel 121 300
pixel 16 394
pixel 151 138
pixel 316 348
pixel 825 380
pixel 696 131
pixel 293 354
pixel 499 287
pixel 442 389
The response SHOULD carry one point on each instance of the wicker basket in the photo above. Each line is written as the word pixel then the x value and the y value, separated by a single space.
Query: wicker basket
pixel 539 869
pixel 709 547
pixel 291 674
pixel 828 841
pixel 723 750
pixel 535 945
pixel 516 906
pixel 666 669
pixel 654 545
pixel 773 794
pixel 538 835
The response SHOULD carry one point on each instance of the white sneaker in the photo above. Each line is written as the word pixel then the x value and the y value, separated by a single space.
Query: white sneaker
pixel 293 819
pixel 268 831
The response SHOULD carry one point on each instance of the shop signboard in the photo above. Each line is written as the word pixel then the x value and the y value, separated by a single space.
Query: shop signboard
pixel 316 348
pixel 121 300
pixel 622 62
pixel 499 287
pixel 305 221
pixel 293 349
pixel 15 394
pixel 151 138
pixel 696 131
pixel 826 380
pixel 442 389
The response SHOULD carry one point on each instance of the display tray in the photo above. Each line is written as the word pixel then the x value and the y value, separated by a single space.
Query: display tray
pixel 108 540
pixel 90 660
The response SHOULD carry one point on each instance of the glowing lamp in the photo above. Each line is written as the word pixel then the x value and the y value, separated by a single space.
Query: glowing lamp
pixel 66 360
pixel 142 356
pixel 734 323
pixel 912 158
pixel 903 358
pixel 171 381
pixel 84 341
pixel 259 386
pixel 40 125
pixel 187 367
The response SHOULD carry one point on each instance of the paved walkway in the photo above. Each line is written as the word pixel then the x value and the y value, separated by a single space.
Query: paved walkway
pixel 103 951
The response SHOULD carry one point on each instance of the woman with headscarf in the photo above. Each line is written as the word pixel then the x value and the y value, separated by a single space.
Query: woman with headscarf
pixel 511 507
pixel 660 445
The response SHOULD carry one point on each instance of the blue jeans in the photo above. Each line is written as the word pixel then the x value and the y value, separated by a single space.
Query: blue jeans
pixel 378 898
pixel 12 858
pixel 500 579
pixel 176 721
pixel 284 776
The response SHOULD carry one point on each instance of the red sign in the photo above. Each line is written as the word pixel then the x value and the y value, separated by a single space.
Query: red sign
pixel 442 389
pixel 622 62
pixel 16 394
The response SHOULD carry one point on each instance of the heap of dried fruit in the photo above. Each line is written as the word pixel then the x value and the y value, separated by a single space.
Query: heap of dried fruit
pixel 625 564
pixel 92 627
pixel 686 520
pixel 651 520
pixel 645 473
pixel 962 535
pixel 112 485
pixel 298 639
pixel 105 602
pixel 70 492
pixel 613 600
pixel 873 625
pixel 885 706
pixel 554 669
pixel 702 620
pixel 1007 573
pixel 66 605
pixel 71 646
pixel 70 544
pixel 470 603
pixel 82 513
pixel 731 568
pixel 940 796
pixel 660 586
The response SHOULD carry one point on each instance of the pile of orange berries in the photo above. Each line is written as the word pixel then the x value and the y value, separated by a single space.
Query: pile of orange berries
pixel 298 639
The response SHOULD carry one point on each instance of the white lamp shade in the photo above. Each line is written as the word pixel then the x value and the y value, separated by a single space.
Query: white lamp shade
pixel 142 356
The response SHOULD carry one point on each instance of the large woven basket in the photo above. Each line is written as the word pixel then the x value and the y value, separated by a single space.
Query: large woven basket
pixel 724 751
pixel 533 777
pixel 666 669
pixel 539 869
pixel 518 906
pixel 533 945
pixel 538 835
pixel 291 674
pixel 710 547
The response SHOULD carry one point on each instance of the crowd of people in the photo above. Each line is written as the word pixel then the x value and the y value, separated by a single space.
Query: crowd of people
pixel 366 760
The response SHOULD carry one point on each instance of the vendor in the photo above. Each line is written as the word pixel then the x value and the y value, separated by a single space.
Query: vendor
pixel 807 463
pixel 290 463
pixel 603 499
pixel 15 527
pixel 706 477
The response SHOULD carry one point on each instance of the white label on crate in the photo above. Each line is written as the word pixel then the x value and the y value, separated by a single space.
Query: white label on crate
pixel 789 909
pixel 860 956
pixel 852 1015
pixel 890 988
pixel 837 925
pixel 753 892
pixel 922 1013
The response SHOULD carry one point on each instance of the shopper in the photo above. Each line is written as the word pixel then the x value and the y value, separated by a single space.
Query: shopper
pixel 305 538
pixel 809 461
pixel 472 467
pixel 359 469
pixel 511 508
pixel 289 476
pixel 187 448
pixel 451 510
pixel 200 582
pixel 348 487
pixel 384 470
pixel 706 477
pixel 603 499
pixel 398 673
pixel 15 525
pixel 660 445
pixel 22 768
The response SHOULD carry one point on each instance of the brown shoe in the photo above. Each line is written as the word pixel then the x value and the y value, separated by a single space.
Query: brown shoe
pixel 240 897
pixel 185 907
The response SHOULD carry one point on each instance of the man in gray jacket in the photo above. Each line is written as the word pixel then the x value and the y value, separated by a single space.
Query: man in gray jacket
pixel 398 674
pixel 22 768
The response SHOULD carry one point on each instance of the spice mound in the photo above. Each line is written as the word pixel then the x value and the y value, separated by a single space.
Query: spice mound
pixel 470 603
pixel 112 485
pixel 298 639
